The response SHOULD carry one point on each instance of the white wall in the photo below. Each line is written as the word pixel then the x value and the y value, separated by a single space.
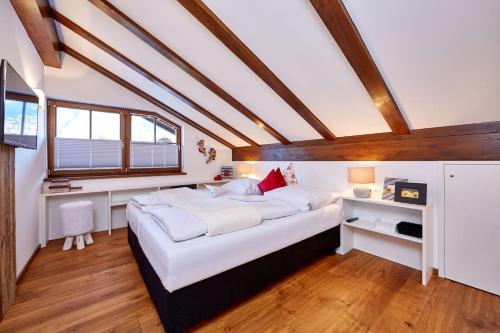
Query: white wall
pixel 77 82
pixel 333 176
pixel 16 47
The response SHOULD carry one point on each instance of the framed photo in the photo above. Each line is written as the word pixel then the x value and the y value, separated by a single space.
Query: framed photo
pixel 390 187
pixel 413 193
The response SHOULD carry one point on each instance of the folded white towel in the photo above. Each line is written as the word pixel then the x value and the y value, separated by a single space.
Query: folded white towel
pixel 178 224
pixel 215 191
pixel 147 199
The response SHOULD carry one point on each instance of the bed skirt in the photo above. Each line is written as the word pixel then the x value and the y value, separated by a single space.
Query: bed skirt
pixel 188 306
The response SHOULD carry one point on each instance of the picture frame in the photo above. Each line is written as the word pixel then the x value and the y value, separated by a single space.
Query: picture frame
pixel 390 187
pixel 412 193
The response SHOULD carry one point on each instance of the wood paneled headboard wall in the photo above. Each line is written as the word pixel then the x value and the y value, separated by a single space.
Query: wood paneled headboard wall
pixel 7 229
pixel 474 142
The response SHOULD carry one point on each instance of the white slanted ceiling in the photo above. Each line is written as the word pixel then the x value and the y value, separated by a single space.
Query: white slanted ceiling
pixel 439 58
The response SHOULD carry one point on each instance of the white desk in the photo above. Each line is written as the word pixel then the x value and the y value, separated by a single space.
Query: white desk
pixel 104 200
pixel 365 236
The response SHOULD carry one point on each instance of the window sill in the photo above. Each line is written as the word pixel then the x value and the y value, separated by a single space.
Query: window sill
pixel 104 176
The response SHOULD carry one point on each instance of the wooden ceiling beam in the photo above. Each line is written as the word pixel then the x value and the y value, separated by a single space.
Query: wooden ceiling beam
pixel 176 59
pixel 472 142
pixel 41 30
pixel 145 73
pixel 340 25
pixel 98 68
pixel 206 17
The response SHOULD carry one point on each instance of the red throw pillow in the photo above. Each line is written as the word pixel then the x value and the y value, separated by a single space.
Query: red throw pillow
pixel 273 180
pixel 280 180
pixel 267 184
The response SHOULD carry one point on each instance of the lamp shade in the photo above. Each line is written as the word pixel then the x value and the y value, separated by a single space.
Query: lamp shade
pixel 244 169
pixel 361 175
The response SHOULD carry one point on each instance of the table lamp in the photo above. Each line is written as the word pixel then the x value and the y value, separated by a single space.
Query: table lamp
pixel 244 170
pixel 361 176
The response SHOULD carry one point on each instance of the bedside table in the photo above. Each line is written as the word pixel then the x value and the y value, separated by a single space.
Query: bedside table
pixel 364 235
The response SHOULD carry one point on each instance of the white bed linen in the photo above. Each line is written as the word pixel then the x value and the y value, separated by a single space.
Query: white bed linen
pixel 183 263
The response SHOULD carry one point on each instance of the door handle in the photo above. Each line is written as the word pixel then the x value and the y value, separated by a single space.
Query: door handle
pixel 451 176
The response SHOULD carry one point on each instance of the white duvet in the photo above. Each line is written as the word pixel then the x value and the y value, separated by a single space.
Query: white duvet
pixel 196 213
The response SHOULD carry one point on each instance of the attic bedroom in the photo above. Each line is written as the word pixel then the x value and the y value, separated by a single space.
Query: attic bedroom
pixel 250 166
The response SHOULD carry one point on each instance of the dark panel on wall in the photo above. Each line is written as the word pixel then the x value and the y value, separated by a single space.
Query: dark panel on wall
pixel 453 143
pixel 7 229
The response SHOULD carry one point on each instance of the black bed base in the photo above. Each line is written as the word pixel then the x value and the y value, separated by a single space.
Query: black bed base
pixel 195 303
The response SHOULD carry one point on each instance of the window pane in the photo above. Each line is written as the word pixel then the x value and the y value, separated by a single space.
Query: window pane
pixel 72 123
pixel 105 125
pixel 154 155
pixel 165 133
pixel 143 129
pixel 13 117
pixel 30 119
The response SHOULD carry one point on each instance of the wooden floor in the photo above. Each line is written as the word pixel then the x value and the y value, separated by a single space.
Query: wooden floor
pixel 100 290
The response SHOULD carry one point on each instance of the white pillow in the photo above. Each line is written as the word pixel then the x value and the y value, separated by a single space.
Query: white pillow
pixel 242 186
pixel 215 191
pixel 303 197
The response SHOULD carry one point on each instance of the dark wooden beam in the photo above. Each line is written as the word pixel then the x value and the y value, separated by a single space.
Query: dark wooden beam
pixel 40 28
pixel 176 59
pixel 80 57
pixel 145 73
pixel 474 142
pixel 344 32
pixel 206 17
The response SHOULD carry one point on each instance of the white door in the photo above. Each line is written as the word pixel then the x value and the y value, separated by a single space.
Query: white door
pixel 472 225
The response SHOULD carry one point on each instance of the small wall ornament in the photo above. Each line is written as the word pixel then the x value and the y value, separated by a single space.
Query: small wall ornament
pixel 201 147
pixel 212 153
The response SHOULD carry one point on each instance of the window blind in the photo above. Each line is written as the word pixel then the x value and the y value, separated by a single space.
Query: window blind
pixel 153 155
pixel 87 154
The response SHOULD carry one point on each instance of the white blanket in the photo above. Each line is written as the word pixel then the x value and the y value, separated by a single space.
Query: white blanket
pixel 217 215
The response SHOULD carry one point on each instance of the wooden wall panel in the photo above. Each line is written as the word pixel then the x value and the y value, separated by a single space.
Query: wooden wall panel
pixel 474 142
pixel 7 229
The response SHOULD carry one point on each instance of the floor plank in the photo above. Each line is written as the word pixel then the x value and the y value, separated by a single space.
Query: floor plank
pixel 100 289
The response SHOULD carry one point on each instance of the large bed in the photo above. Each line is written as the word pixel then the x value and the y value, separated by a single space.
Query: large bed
pixel 190 281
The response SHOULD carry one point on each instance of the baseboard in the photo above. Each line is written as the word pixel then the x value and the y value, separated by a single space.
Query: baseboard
pixel 28 263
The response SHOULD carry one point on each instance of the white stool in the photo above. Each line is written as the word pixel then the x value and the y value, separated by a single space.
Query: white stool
pixel 77 220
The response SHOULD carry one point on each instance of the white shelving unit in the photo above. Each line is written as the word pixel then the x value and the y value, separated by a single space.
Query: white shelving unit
pixel 107 203
pixel 364 235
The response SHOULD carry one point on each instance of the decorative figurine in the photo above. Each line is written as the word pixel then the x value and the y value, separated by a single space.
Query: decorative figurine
pixel 212 153
pixel 201 147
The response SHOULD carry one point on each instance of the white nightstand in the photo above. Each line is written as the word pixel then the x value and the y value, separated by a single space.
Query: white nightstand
pixel 365 236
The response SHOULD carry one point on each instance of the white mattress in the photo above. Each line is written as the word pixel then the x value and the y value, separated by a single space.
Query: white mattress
pixel 179 264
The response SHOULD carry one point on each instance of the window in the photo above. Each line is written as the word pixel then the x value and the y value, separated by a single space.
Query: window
pixel 89 140
pixel 153 143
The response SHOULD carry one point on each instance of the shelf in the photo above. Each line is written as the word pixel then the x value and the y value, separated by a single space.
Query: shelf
pixel 370 226
pixel 379 201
